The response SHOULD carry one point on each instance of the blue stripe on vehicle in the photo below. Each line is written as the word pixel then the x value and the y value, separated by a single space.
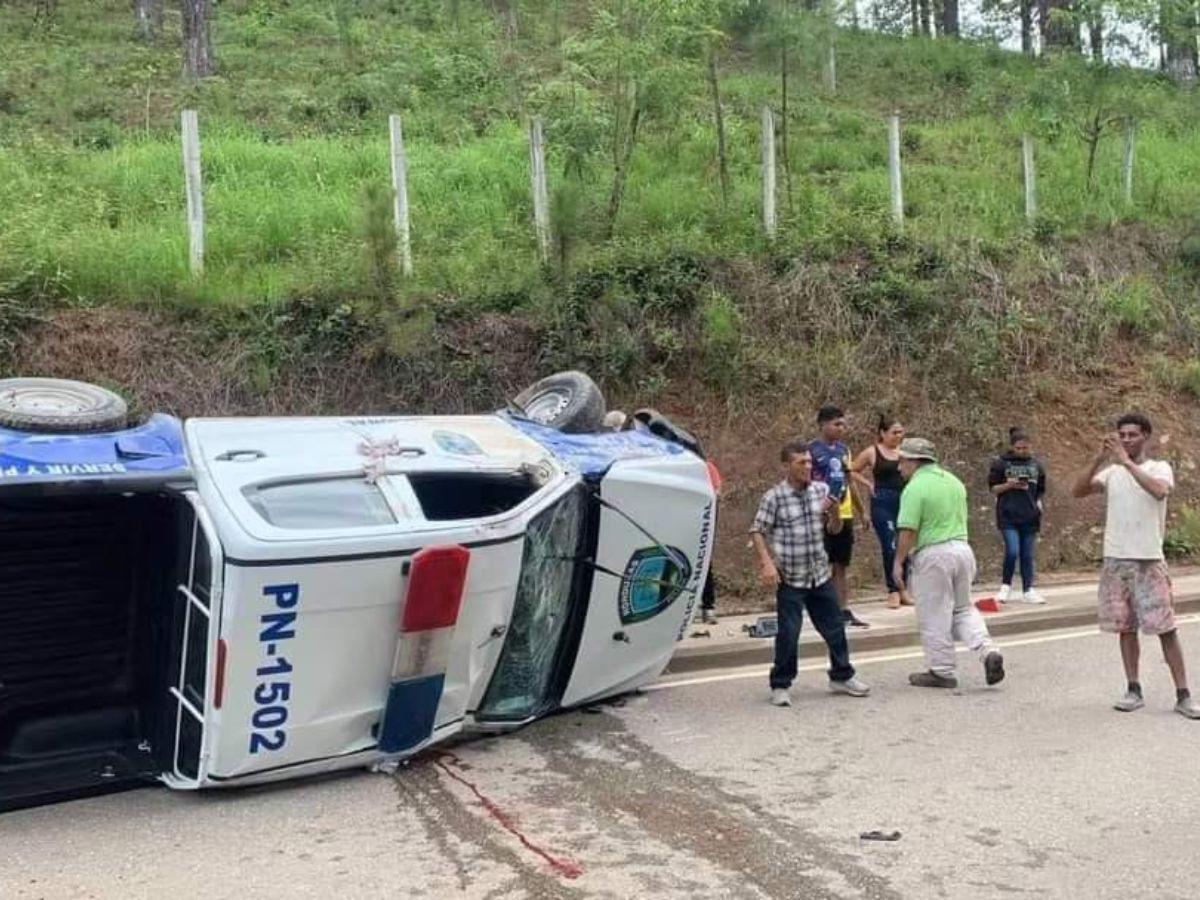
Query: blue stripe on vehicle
pixel 592 455
pixel 410 712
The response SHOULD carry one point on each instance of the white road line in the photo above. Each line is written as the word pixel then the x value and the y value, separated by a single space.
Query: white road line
pixel 913 653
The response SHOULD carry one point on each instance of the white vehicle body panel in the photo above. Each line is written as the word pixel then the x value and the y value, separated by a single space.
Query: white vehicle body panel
pixel 672 503
pixel 303 690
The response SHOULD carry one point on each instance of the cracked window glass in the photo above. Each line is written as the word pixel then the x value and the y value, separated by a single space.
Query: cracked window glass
pixel 521 685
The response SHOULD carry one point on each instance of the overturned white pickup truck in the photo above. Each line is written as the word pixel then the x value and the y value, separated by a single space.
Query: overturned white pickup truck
pixel 233 601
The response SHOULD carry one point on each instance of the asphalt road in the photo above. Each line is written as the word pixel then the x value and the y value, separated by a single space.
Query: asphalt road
pixel 1034 788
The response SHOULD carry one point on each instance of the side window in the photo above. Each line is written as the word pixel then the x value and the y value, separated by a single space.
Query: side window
pixel 328 503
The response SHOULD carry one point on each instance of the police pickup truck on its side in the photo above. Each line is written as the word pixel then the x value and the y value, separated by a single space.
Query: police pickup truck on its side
pixel 232 601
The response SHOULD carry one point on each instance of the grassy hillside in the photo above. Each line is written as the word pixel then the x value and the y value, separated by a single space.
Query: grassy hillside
pixel 294 129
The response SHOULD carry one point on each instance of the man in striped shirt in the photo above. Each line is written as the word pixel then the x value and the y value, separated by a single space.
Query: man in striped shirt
pixel 789 536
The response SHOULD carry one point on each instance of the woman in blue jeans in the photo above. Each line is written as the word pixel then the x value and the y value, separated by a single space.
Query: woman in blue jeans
pixel 1018 481
pixel 877 469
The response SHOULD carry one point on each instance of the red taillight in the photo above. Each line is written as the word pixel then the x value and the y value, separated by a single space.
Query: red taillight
pixel 714 476
pixel 435 588
pixel 219 680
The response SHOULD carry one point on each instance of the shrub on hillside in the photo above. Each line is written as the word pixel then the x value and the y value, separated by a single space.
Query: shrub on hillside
pixel 1134 306
pixel 1189 252
pixel 1182 540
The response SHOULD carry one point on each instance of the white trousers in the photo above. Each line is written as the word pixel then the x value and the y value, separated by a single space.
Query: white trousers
pixel 941 581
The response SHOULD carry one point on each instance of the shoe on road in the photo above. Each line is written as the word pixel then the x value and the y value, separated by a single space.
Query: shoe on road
pixel 708 617
pixel 1130 702
pixel 852 686
pixel 1033 598
pixel 993 668
pixel 1187 708
pixel 1002 594
pixel 931 680
pixel 780 697
pixel 851 619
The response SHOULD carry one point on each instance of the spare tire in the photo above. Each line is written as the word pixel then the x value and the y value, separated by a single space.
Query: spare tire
pixel 59 405
pixel 566 401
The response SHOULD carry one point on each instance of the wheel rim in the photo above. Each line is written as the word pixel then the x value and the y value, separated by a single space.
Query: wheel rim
pixel 547 405
pixel 60 400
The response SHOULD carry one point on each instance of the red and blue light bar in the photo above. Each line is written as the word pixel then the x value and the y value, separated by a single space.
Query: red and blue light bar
pixel 436 580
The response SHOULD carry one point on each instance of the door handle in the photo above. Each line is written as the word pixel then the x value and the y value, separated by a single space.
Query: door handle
pixel 240 456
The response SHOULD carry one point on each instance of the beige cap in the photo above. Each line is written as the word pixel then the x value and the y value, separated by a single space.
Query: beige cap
pixel 918 448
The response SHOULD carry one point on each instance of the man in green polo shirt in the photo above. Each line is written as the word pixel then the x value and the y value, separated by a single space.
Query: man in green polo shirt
pixel 933 527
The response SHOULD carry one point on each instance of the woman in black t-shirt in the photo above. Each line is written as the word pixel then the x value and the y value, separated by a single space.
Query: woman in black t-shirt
pixel 877 469
pixel 1018 481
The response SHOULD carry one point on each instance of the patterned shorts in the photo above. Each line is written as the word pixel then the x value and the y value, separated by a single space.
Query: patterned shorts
pixel 1136 593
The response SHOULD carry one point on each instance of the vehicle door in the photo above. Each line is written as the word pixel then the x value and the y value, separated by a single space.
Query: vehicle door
pixel 653 547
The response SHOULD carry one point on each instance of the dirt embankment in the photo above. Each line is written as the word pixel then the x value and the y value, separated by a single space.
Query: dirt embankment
pixel 172 362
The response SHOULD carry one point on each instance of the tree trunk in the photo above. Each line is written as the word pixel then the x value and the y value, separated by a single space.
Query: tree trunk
pixel 622 169
pixel 926 18
pixel 197 38
pixel 722 162
pixel 45 11
pixel 1096 35
pixel 950 18
pixel 147 18
pixel 1092 136
pixel 1178 25
pixel 783 124
pixel 1027 27
pixel 915 10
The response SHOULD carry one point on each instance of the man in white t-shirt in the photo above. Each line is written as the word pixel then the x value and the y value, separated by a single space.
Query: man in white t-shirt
pixel 1135 588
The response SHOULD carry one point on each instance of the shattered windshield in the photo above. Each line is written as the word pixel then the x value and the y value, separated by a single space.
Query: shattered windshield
pixel 521 685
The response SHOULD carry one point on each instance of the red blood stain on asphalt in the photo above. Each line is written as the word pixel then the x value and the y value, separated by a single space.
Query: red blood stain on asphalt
pixel 563 867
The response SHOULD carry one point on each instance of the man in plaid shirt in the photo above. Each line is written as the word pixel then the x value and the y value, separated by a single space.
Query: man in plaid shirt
pixel 789 535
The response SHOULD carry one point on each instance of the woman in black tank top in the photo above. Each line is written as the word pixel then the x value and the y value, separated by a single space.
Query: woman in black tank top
pixel 883 484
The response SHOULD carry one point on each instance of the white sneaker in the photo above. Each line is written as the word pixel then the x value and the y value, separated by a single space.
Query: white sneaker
pixel 1002 594
pixel 780 697
pixel 1033 597
pixel 1129 702
pixel 853 686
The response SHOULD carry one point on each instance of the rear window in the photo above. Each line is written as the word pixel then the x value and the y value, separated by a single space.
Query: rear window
pixel 328 503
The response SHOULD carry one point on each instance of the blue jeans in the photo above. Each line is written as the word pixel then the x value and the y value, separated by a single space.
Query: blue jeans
pixel 822 605
pixel 1019 543
pixel 885 508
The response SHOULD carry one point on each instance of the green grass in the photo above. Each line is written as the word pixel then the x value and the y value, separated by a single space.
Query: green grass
pixel 294 127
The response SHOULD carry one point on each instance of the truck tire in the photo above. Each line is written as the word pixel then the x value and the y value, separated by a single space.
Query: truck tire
pixel 565 401
pixel 59 405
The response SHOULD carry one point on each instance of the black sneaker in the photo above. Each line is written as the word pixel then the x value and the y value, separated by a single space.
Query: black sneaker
pixel 708 617
pixel 932 680
pixel 851 619
pixel 993 668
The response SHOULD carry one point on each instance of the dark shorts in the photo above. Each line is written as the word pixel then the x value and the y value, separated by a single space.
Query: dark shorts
pixel 840 546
